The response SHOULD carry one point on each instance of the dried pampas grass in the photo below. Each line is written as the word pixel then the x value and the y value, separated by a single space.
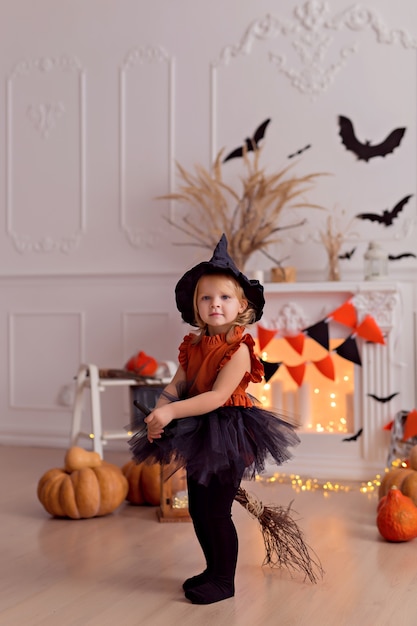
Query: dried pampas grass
pixel 249 219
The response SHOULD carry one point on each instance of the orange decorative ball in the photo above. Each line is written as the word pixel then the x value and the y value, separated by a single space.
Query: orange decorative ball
pixel 397 517
pixel 144 482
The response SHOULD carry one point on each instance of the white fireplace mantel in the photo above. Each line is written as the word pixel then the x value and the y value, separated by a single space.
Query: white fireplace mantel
pixel 385 369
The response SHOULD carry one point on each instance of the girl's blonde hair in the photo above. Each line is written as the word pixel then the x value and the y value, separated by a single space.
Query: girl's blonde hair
pixel 248 316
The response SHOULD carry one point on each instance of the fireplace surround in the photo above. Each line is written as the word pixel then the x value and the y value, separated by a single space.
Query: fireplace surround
pixel 385 370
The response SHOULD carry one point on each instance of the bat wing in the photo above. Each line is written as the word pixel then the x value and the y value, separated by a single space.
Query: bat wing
pixel 238 152
pixel 260 131
pixel 389 144
pixel 373 217
pixel 391 215
pixel 347 133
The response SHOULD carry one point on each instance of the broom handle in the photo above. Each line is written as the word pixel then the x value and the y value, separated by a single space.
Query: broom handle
pixel 144 409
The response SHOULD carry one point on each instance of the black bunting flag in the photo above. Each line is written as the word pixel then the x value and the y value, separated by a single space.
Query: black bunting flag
pixel 320 333
pixel 269 369
pixel 349 351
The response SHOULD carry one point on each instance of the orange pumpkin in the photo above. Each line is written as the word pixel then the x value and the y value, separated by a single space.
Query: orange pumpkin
pixel 412 458
pixel 82 493
pixel 397 517
pixel 393 477
pixel 144 482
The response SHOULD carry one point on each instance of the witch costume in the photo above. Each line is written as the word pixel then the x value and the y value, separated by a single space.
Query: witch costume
pixel 222 447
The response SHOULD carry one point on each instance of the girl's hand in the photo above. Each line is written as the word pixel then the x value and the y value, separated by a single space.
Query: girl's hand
pixel 157 420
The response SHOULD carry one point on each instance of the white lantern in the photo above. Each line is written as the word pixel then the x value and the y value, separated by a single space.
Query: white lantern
pixel 376 262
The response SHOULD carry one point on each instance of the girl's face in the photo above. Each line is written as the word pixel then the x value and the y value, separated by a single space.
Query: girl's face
pixel 218 303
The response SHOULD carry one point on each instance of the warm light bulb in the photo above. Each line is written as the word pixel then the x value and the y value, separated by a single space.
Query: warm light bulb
pixel 333 404
pixel 317 390
pixel 332 395
pixel 345 378
pixel 267 386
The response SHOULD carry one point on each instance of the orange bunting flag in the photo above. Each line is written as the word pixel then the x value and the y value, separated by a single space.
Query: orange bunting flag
pixel 368 329
pixel 410 428
pixel 389 426
pixel 297 372
pixel 265 335
pixel 326 367
pixel 345 314
pixel 296 342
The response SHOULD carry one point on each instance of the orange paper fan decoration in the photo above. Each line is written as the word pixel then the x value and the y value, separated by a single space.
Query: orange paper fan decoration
pixel 345 314
pixel 368 329
pixel 297 372
pixel 265 335
pixel 296 342
pixel 326 367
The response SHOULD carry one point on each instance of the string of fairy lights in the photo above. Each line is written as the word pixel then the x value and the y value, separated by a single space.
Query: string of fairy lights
pixel 302 484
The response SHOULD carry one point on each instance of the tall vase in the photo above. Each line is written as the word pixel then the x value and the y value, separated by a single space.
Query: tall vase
pixel 332 240
pixel 333 272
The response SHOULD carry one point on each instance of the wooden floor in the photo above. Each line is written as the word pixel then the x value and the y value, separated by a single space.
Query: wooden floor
pixel 126 569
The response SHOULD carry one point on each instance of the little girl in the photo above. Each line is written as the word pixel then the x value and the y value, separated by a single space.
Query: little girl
pixel 205 420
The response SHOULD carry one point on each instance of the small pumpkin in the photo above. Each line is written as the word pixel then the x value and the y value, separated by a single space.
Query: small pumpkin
pixel 82 493
pixel 144 482
pixel 397 517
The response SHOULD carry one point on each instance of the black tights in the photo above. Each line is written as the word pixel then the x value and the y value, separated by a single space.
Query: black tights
pixel 211 512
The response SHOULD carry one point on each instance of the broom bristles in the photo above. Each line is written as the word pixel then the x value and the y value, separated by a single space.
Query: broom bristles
pixel 283 539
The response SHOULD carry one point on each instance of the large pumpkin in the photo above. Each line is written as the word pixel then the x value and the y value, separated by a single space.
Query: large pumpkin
pixel 144 482
pixel 93 489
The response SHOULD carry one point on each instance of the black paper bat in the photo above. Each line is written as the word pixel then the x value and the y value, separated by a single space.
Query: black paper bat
pixel 403 255
pixel 294 154
pixel 251 144
pixel 354 437
pixel 383 400
pixel 387 217
pixel 347 255
pixel 366 151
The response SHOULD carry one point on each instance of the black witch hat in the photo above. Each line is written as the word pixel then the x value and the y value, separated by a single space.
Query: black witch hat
pixel 221 263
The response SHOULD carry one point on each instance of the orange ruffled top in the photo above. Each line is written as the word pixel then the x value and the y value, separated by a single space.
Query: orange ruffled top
pixel 203 361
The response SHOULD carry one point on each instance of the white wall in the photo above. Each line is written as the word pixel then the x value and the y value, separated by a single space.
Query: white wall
pixel 99 100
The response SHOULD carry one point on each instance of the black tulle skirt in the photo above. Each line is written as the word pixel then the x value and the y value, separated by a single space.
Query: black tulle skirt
pixel 230 442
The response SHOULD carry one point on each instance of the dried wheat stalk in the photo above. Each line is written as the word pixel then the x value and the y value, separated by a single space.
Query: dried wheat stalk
pixel 249 218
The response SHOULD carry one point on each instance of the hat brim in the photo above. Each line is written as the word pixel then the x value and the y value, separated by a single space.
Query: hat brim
pixel 185 288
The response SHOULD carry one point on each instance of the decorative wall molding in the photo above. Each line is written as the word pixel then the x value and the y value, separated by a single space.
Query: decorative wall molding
pixel 71 321
pixel 143 237
pixel 311 33
pixel 44 116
